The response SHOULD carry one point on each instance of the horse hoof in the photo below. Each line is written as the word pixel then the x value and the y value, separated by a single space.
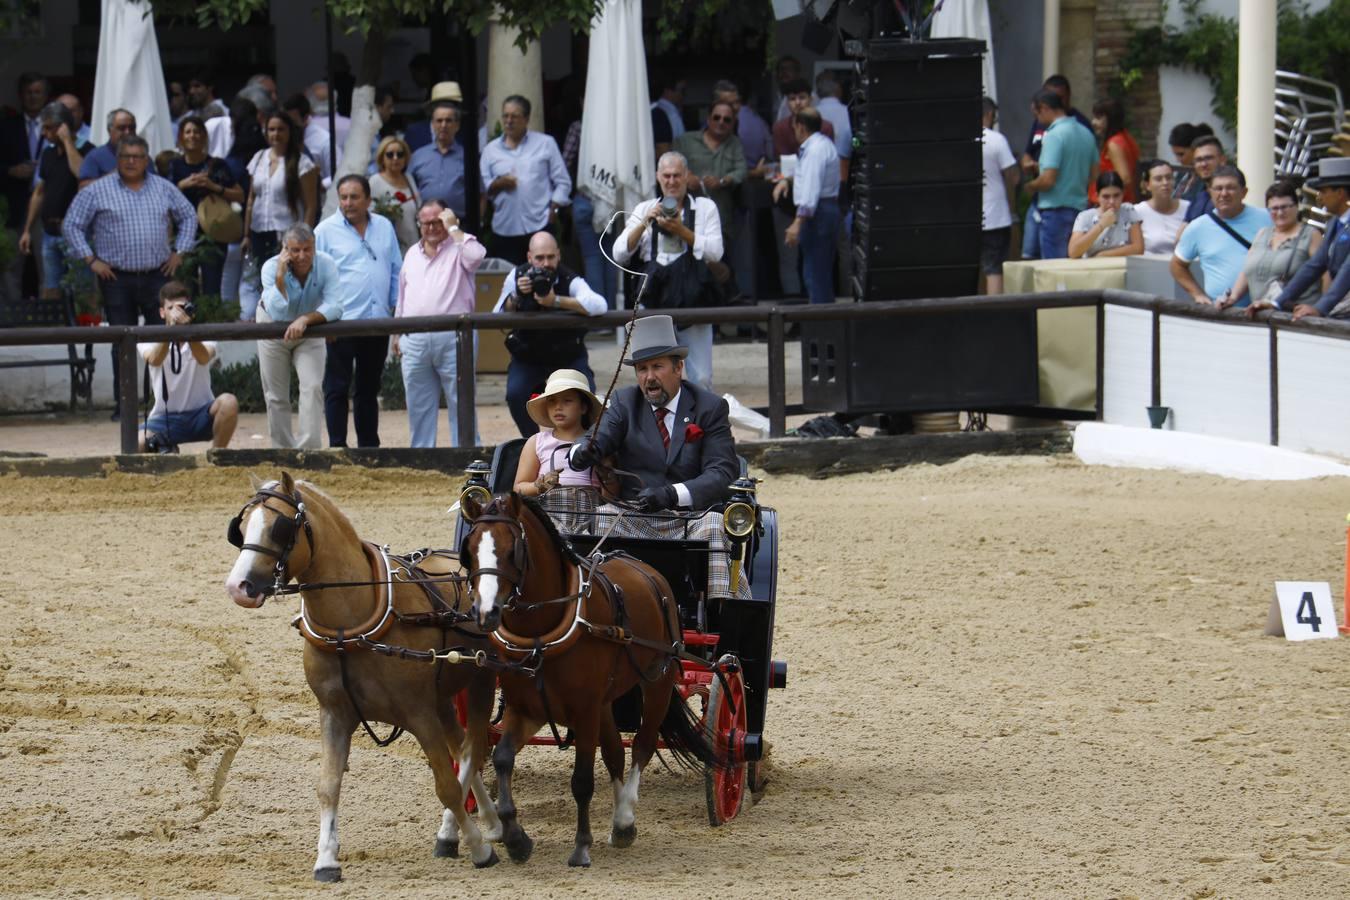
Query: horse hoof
pixel 519 848
pixel 623 837
pixel 328 875
pixel 580 858
pixel 447 849
pixel 491 860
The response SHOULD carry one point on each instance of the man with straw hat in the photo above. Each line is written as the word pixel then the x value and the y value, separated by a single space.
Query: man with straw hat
pixel 672 448
pixel 437 165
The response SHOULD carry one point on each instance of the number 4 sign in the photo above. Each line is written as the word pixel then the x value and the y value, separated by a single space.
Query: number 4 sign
pixel 1302 611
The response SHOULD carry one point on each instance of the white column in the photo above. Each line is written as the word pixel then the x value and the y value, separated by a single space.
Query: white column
pixel 1050 40
pixel 511 71
pixel 1256 93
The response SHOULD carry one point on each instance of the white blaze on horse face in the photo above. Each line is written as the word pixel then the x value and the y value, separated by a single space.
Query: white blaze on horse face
pixel 244 566
pixel 486 554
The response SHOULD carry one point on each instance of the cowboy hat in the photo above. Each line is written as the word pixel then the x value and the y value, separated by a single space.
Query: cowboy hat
pixel 446 90
pixel 1332 171
pixel 653 336
pixel 563 380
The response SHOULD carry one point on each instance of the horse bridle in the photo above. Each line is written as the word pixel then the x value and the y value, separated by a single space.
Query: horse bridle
pixel 285 532
pixel 520 559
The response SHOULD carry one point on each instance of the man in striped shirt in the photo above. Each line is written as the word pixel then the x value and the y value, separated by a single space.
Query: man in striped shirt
pixel 126 217
pixel 815 194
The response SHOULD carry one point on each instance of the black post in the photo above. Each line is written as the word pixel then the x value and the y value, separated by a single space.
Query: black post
pixel 1274 384
pixel 777 376
pixel 332 97
pixel 1156 376
pixel 468 127
pixel 1101 358
pixel 464 379
pixel 128 377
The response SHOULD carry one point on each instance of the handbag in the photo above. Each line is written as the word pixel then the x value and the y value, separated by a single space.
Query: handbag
pixel 219 220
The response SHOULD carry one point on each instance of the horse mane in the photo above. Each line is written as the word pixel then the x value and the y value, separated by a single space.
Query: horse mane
pixel 560 543
pixel 330 506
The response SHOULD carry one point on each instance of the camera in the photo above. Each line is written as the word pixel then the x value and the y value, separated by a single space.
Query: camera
pixel 190 309
pixel 670 207
pixel 158 443
pixel 541 280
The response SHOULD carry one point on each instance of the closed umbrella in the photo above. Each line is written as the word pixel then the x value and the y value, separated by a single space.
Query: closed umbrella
pixel 616 167
pixel 969 19
pixel 129 74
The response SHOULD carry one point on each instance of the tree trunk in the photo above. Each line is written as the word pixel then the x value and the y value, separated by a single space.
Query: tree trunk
pixel 372 58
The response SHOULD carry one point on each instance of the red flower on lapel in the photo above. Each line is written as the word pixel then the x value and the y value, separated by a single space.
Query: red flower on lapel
pixel 692 434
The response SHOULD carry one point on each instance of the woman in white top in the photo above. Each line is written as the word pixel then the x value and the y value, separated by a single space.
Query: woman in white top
pixel 1109 229
pixel 392 192
pixel 1163 215
pixel 284 190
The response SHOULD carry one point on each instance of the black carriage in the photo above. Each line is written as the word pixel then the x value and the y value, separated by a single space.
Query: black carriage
pixel 732 638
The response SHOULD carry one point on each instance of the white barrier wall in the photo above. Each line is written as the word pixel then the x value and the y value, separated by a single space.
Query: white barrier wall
pixel 1216 378
pixel 1127 382
pixel 1314 400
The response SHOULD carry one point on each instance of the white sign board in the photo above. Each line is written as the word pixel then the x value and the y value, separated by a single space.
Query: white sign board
pixel 1302 611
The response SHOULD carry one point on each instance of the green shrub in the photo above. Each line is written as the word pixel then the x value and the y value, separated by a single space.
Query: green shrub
pixel 391 386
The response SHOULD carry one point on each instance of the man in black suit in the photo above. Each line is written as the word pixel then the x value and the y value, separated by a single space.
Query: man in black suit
pixel 20 147
pixel 674 436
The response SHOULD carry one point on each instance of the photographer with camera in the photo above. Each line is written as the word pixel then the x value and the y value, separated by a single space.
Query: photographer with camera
pixel 185 410
pixel 677 235
pixel 543 284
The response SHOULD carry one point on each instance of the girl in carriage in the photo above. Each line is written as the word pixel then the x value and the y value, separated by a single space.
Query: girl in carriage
pixel 564 412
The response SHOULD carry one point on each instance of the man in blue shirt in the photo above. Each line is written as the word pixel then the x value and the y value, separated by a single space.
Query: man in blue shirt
pixel 1030 162
pixel 365 249
pixel 438 167
pixel 300 286
pixel 815 194
pixel 1220 240
pixel 1068 162
pixel 121 124
pixel 525 178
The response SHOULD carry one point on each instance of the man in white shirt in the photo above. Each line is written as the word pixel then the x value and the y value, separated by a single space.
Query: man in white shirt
pixel 815 193
pixel 679 224
pixel 1000 193
pixel 185 410
pixel 833 111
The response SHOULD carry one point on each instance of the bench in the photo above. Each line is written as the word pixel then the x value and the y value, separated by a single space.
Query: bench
pixel 54 313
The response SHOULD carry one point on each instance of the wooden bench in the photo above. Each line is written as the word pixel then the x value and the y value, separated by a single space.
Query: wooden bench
pixel 35 313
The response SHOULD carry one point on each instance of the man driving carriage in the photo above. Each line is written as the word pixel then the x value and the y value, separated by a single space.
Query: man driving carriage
pixel 672 450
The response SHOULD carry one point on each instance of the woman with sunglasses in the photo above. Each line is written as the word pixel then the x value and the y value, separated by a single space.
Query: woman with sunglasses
pixel 1276 253
pixel 392 192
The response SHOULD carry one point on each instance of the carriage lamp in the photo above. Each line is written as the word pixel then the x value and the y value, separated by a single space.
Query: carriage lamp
pixel 738 517
pixel 476 485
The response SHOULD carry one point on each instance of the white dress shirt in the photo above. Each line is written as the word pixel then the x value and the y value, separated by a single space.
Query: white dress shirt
pixel 817 176
pixel 837 114
pixel 578 290
pixel 707 235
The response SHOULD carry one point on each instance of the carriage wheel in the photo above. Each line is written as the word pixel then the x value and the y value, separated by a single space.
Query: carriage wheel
pixel 725 788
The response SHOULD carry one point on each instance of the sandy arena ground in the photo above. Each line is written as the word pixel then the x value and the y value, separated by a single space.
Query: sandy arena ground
pixel 1008 677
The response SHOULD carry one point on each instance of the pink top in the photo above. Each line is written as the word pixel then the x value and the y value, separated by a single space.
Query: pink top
pixel 439 285
pixel 544 446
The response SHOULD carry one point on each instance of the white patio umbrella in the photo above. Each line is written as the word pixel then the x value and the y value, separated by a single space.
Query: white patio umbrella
pixel 969 19
pixel 129 74
pixel 616 168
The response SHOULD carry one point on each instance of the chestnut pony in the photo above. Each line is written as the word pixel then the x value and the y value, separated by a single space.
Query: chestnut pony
pixel 581 636
pixel 289 530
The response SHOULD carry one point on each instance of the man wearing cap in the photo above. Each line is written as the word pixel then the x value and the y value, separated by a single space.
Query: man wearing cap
pixel 1333 257
pixel 438 167
pixel 672 436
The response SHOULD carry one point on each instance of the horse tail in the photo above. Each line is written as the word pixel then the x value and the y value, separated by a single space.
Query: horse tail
pixel 688 740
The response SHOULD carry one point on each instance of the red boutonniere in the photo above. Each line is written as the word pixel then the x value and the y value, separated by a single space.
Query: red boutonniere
pixel 401 197
pixel 692 434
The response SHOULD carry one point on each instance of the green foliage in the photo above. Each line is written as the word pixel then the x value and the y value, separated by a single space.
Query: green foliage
pixel 9 240
pixel 212 308
pixel 720 24
pixel 391 386
pixel 1316 45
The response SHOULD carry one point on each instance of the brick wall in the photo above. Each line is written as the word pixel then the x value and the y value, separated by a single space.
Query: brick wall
pixel 1115 21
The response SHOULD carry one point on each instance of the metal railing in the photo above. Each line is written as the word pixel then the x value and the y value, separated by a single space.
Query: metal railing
pixel 774 318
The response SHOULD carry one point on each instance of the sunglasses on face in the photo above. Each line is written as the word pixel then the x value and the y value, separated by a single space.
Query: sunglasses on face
pixel 132 157
pixel 394 154
pixel 720 118
pixel 1280 208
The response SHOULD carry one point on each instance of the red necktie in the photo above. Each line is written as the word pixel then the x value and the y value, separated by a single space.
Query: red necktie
pixel 661 425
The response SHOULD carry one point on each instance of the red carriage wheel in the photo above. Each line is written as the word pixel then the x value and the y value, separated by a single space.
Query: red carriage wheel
pixel 725 718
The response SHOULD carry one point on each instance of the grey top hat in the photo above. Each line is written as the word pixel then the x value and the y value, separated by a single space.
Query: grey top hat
pixel 653 336
pixel 1332 171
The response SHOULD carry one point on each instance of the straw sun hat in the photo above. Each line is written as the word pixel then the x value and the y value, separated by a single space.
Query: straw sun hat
pixel 559 381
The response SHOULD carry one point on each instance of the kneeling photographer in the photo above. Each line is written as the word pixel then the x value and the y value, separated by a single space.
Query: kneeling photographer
pixel 543 284
pixel 677 236
pixel 185 410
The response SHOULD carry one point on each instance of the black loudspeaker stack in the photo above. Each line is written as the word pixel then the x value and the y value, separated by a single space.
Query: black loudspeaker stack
pixel 917 178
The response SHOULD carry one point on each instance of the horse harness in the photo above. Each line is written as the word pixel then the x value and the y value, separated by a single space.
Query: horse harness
pixel 285 532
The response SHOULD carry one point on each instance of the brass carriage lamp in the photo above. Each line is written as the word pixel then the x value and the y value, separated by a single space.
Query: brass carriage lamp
pixel 476 483
pixel 739 515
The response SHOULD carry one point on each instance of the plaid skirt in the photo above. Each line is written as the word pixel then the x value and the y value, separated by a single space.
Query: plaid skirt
pixel 702 527
pixel 571 507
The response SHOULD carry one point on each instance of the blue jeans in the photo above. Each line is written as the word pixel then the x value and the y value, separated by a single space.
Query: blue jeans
pixel 817 249
pixel 1031 232
pixel 183 427
pixel 429 365
pixel 525 379
pixel 54 261
pixel 1056 226
pixel 602 277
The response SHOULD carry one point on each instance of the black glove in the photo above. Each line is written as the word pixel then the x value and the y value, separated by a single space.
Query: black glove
pixel 583 456
pixel 654 499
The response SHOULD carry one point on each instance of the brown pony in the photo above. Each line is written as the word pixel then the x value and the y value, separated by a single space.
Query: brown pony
pixel 291 530
pixel 582 636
